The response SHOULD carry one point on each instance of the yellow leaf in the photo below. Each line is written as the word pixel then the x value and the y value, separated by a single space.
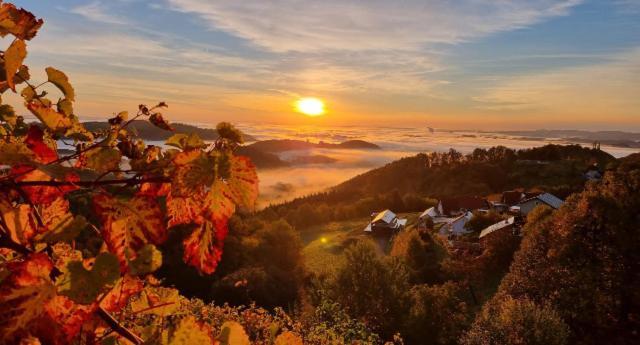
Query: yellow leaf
pixel 61 81
pixel 190 331
pixel 18 220
pixel 13 58
pixel 54 120
pixel 232 333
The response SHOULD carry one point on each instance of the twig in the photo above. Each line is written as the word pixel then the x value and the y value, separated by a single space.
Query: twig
pixel 118 328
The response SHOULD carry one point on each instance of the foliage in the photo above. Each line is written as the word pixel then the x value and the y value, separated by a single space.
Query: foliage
pixel 583 261
pixel 79 233
pixel 517 322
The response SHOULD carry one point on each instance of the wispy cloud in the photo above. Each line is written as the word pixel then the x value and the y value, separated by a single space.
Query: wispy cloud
pixel 290 25
pixel 602 92
pixel 98 12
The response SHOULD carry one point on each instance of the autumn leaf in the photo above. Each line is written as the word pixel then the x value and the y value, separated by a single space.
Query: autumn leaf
pixel 203 247
pixel 149 259
pixel 232 333
pixel 159 121
pixel 40 194
pixel 35 142
pixel 65 106
pixel 63 320
pixel 61 81
pixel 15 153
pixel 288 338
pixel 83 286
pixel 18 22
pixel 243 181
pixel 185 141
pixel 23 295
pixel 184 210
pixel 52 119
pixel 156 301
pixel 189 331
pixel 194 170
pixel 118 297
pixel 129 224
pixel 18 220
pixel 8 114
pixel 101 159
pixel 218 202
pixel 13 58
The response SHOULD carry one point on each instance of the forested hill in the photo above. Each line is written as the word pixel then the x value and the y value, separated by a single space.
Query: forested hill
pixel 405 184
pixel 147 131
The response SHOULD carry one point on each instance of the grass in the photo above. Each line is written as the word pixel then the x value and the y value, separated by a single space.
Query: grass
pixel 324 244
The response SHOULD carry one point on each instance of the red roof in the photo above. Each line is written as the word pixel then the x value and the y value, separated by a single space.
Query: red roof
pixel 511 197
pixel 468 203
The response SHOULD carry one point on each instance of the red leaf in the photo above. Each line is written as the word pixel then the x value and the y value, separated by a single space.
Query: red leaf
pixel 19 22
pixel 35 142
pixel 203 248
pixel 127 225
pixel 119 296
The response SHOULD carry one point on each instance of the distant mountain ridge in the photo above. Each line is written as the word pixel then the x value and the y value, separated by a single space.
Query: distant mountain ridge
pixel 282 145
pixel 613 138
pixel 147 131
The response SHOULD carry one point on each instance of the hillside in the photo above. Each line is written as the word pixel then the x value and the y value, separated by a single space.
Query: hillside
pixel 282 145
pixel 405 184
pixel 147 131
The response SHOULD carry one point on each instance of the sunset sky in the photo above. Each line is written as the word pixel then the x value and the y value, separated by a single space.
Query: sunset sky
pixel 472 64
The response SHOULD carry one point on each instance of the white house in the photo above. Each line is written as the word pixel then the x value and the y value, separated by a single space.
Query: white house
pixel 385 222
pixel 456 226
pixel 548 199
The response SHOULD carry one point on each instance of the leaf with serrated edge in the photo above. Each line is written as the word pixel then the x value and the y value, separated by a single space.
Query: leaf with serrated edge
pixel 203 247
pixel 243 182
pixel 128 225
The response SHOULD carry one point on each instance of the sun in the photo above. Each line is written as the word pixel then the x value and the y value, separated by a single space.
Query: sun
pixel 310 106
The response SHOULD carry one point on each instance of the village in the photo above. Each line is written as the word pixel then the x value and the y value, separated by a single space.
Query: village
pixel 451 217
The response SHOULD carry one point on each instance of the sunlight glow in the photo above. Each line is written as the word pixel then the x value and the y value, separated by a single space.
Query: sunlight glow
pixel 310 106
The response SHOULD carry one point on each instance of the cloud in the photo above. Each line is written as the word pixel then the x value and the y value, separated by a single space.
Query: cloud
pixel 97 12
pixel 606 91
pixel 291 25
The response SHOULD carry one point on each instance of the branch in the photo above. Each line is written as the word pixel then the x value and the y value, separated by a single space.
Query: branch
pixel 7 242
pixel 129 181
pixel 118 328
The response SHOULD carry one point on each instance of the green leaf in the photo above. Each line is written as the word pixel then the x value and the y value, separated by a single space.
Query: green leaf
pixel 232 333
pixel 149 259
pixel 185 141
pixel 83 286
pixel 60 80
pixel 13 58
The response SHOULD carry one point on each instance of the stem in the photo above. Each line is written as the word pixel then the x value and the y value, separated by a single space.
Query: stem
pixel 118 328
pixel 129 181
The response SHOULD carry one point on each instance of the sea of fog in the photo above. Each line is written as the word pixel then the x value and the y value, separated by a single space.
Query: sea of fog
pixel 278 185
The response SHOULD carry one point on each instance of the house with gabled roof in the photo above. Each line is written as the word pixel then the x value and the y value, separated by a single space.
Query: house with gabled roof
pixel 385 222
pixel 527 205
pixel 456 226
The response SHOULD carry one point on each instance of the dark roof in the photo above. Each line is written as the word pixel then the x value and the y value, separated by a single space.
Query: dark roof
pixel 511 197
pixel 450 205
pixel 529 195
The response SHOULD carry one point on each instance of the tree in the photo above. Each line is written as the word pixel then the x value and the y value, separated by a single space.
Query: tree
pixel 372 289
pixel 419 255
pixel 55 282
pixel 517 322
pixel 583 260
pixel 437 315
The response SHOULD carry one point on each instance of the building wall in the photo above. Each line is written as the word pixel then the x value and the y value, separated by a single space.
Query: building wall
pixel 528 206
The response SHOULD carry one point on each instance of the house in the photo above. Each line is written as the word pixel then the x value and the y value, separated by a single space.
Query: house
pixel 507 225
pixel 431 214
pixel 385 222
pixel 527 205
pixel 456 226
pixel 511 197
pixel 460 205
